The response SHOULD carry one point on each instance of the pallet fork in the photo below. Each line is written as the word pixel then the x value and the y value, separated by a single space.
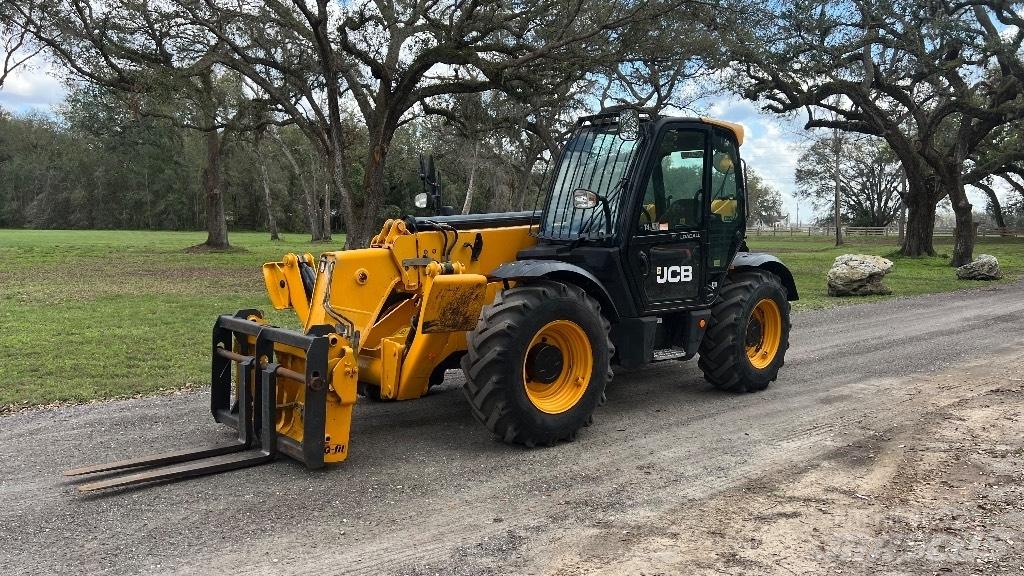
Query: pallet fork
pixel 254 414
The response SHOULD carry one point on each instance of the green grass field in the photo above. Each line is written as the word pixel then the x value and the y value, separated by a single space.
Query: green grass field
pixel 99 314
pixel 102 314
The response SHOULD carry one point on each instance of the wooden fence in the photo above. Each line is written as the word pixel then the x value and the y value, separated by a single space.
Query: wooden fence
pixel 857 231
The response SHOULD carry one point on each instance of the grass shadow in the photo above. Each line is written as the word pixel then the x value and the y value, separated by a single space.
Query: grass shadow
pixel 205 248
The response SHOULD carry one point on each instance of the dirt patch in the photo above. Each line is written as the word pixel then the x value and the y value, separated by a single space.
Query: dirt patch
pixel 941 493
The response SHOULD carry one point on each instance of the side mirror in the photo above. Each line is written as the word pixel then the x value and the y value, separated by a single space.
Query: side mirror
pixel 629 124
pixel 584 199
pixel 421 200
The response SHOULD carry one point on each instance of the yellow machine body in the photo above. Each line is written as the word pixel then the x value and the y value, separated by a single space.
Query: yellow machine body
pixel 400 309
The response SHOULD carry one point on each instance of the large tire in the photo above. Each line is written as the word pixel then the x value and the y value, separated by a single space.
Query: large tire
pixel 745 344
pixel 520 397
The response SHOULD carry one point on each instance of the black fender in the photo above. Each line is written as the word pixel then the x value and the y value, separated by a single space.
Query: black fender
pixel 748 260
pixel 561 272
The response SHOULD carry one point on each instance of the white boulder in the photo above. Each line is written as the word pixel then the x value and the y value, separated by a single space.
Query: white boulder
pixel 858 275
pixel 986 267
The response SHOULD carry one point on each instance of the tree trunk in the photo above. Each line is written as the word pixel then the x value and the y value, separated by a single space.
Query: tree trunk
pixel 216 223
pixel 307 191
pixel 836 176
pixel 920 222
pixel 467 206
pixel 373 185
pixel 364 222
pixel 271 222
pixel 903 211
pixel 963 235
pixel 337 179
pixel 327 213
pixel 902 222
pixel 525 177
pixel 496 202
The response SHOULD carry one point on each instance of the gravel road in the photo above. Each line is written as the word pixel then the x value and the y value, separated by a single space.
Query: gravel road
pixel 673 477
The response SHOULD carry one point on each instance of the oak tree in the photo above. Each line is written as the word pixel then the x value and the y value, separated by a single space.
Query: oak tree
pixel 932 79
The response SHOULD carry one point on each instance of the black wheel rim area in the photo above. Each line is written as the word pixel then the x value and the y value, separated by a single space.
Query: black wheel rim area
pixel 544 363
pixel 755 333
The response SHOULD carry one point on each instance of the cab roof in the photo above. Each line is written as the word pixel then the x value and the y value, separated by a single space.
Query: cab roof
pixel 737 129
pixel 610 115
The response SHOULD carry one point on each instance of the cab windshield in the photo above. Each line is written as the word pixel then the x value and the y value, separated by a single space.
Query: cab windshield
pixel 595 160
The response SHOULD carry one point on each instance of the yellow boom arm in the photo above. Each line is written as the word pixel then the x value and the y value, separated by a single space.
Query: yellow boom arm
pixel 396 311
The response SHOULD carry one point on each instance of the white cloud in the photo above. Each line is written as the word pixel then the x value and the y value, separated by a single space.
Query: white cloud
pixel 34 86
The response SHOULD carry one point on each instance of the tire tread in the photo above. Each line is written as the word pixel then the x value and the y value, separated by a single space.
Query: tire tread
pixel 493 339
pixel 719 352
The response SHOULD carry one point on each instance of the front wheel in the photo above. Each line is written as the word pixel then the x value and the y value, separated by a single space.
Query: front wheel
pixel 537 363
pixel 746 342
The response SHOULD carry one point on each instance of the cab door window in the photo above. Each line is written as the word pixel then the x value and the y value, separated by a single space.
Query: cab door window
pixel 674 195
pixel 726 200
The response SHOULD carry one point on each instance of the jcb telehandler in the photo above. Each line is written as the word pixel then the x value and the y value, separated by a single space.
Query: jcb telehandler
pixel 634 258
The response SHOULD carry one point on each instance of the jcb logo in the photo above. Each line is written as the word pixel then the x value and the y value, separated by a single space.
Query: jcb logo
pixel 673 274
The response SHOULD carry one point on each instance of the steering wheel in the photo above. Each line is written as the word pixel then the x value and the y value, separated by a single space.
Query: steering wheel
pixel 677 212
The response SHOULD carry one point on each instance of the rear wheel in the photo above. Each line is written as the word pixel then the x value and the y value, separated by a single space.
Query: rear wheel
pixel 538 363
pixel 746 342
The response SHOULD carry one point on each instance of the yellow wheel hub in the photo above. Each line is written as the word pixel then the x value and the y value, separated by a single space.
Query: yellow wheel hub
pixel 557 367
pixel 764 333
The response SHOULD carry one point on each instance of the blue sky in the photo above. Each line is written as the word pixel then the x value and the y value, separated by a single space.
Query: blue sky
pixel 772 145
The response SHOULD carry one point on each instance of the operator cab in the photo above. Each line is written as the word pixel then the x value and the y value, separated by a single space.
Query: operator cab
pixel 652 206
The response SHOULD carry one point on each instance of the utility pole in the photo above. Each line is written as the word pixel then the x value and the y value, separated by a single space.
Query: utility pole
pixel 837 221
